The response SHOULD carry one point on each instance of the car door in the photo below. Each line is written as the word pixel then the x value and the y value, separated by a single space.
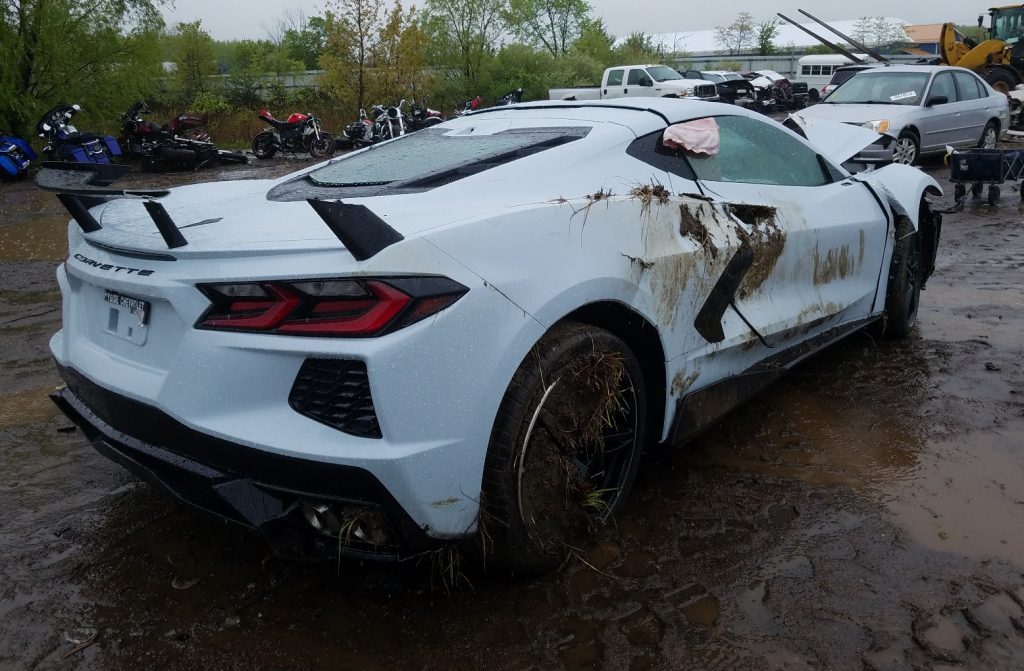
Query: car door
pixel 939 122
pixel 639 84
pixel 817 238
pixel 614 84
pixel 972 111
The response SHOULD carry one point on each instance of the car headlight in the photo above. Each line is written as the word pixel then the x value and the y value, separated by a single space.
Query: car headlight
pixel 880 126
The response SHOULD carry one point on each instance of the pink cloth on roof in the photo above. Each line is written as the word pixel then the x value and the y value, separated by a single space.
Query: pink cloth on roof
pixel 699 136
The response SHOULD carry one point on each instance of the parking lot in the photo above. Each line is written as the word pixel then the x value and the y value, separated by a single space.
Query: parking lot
pixel 867 512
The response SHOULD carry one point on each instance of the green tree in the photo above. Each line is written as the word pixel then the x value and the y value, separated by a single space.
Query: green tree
pixel 767 31
pixel 878 32
pixel 400 56
pixel 307 44
pixel 194 60
pixel 637 48
pixel 353 29
pixel 463 36
pixel 738 35
pixel 551 24
pixel 594 42
pixel 102 54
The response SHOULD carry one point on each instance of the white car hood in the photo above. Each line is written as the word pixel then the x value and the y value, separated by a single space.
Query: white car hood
pixel 838 142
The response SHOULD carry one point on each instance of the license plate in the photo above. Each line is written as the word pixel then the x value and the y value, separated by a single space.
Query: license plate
pixel 136 307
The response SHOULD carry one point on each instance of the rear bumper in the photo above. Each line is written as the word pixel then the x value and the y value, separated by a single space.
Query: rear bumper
pixel 260 490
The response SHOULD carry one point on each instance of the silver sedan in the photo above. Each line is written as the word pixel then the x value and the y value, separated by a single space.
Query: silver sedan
pixel 919 109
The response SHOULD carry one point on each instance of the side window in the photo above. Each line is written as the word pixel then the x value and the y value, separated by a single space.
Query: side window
pixel 754 152
pixel 638 77
pixel 966 85
pixel 805 70
pixel 943 86
pixel 615 78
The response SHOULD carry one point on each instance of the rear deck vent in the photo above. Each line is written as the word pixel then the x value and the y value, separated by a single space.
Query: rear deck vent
pixel 336 392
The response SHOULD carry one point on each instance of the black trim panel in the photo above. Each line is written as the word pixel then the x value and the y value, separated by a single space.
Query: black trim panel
pixel 245 485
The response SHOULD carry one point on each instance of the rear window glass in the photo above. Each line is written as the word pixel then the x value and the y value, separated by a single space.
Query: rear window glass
pixel 435 151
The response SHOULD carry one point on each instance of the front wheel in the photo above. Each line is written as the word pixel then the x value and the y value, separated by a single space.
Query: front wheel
pixel 907 148
pixel 321 147
pixel 903 295
pixel 263 146
pixel 564 448
pixel 1000 79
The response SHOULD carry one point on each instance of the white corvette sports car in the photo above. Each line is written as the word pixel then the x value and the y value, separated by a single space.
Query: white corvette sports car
pixel 475 330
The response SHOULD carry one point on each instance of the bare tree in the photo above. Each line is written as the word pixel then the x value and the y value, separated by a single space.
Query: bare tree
pixel 738 35
pixel 293 18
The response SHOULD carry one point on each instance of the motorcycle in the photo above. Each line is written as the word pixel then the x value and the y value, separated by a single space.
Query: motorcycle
pixel 299 133
pixel 15 156
pixel 65 143
pixel 183 142
pixel 472 105
pixel 387 123
pixel 421 117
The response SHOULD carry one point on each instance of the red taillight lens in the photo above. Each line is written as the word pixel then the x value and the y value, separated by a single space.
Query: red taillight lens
pixel 341 307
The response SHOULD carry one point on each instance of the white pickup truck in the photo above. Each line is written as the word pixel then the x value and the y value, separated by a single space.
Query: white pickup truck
pixel 640 81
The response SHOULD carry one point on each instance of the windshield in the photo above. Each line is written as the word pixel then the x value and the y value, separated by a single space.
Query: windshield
pixel 882 88
pixel 1008 24
pixel 713 78
pixel 662 73
pixel 435 151
pixel 733 77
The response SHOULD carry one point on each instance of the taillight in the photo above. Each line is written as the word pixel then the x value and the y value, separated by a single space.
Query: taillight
pixel 328 307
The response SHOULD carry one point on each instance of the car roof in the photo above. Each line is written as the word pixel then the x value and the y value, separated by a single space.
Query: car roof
pixel 914 68
pixel 641 115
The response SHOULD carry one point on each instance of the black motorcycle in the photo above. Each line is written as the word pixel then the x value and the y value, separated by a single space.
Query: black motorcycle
pixel 300 133
pixel 473 104
pixel 387 123
pixel 421 117
pixel 182 143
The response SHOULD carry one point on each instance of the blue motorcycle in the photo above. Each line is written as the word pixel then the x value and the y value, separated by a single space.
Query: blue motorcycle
pixel 15 155
pixel 65 143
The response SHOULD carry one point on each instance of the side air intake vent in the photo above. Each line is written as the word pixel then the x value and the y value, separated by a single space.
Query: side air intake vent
pixel 336 392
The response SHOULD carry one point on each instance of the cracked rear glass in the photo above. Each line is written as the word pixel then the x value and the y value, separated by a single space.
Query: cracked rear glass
pixel 439 150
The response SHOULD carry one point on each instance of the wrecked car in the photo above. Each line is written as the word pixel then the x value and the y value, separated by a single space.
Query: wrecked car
pixel 383 357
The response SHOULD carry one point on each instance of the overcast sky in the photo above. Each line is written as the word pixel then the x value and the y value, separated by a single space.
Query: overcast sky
pixel 239 20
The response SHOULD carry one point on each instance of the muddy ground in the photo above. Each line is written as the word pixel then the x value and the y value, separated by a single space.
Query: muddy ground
pixel 865 513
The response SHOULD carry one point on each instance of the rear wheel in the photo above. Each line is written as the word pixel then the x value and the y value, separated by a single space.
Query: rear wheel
pixel 1000 79
pixel 263 146
pixel 907 148
pixel 564 449
pixel 989 136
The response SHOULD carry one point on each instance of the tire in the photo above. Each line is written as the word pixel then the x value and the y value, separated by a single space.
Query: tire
pixel 989 136
pixel 1000 79
pixel 554 470
pixel 263 146
pixel 322 147
pixel 231 157
pixel 993 195
pixel 977 189
pixel 907 149
pixel 903 293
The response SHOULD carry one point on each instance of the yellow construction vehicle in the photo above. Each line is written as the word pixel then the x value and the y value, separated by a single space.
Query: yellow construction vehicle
pixel 998 59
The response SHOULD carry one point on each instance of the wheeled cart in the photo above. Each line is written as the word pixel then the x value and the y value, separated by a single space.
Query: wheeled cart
pixel 978 167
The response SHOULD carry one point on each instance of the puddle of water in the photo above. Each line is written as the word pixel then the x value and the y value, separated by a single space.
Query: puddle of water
pixel 967 496
pixel 26 407
pixel 704 612
pixel 41 238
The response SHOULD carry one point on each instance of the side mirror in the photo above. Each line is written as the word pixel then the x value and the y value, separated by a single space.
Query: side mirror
pixel 936 100
pixel 981 20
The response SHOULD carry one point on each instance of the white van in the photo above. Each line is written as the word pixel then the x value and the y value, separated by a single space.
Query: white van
pixel 816 71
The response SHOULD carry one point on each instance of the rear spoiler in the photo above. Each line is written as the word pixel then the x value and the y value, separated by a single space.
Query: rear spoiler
pixel 80 186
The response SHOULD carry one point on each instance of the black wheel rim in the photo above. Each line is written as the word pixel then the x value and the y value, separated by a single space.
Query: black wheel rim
pixel 602 469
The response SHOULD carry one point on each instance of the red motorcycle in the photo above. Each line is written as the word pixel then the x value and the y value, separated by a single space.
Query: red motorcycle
pixel 300 133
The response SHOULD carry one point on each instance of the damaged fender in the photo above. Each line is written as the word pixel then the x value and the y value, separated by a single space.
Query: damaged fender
pixel 904 186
